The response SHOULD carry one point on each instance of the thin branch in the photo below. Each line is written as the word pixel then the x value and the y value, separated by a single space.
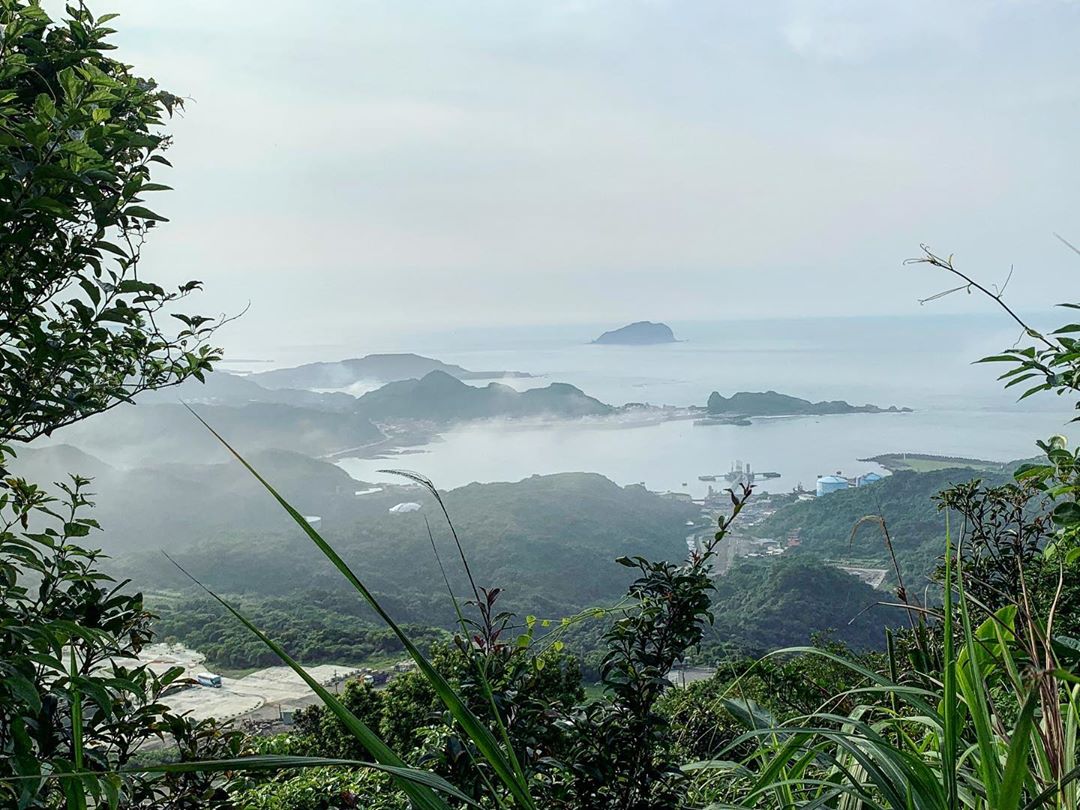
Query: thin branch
pixel 929 257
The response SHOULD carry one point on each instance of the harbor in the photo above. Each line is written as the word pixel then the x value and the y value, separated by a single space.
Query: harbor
pixel 744 542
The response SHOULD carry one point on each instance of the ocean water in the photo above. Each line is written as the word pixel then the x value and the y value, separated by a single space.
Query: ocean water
pixel 922 362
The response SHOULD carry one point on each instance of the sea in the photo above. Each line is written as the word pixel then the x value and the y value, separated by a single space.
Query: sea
pixel 923 361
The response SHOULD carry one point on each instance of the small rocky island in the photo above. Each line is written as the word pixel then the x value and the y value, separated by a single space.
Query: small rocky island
pixel 745 404
pixel 641 333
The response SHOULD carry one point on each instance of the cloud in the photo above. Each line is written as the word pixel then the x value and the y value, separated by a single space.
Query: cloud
pixel 853 31
pixel 491 162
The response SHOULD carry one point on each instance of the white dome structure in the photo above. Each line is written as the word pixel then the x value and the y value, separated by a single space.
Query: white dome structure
pixel 831 483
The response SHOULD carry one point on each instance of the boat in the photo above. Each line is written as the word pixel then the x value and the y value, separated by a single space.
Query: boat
pixel 706 478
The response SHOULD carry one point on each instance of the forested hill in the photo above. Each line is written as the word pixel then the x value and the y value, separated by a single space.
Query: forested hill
pixel 549 541
pixel 904 499
pixel 762 605
pixel 440 397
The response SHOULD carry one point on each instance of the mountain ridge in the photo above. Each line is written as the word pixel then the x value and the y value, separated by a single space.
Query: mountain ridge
pixel 382 368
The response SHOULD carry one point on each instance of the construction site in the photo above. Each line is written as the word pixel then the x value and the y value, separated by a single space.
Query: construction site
pixel 268 695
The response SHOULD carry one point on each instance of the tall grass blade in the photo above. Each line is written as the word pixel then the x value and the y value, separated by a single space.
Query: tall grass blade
pixel 421 796
pixel 480 735
pixel 972 684
pixel 1016 763
pixel 481 669
pixel 76 795
pixel 949 718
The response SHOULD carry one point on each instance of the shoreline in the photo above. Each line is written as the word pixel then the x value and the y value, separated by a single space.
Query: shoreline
pixel 401 436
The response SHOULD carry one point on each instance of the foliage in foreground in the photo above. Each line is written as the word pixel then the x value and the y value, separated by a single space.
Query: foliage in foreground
pixel 980 705
pixel 81 331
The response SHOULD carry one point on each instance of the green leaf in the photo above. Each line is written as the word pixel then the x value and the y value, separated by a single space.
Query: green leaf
pixel 23 690
pixel 143 213
pixel 1066 648
pixel 1066 513
pixel 749 712
pixel 49 206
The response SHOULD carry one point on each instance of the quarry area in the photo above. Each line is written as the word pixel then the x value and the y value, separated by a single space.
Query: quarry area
pixel 267 695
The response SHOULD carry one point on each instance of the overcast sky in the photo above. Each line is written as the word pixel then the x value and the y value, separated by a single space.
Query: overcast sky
pixel 351 167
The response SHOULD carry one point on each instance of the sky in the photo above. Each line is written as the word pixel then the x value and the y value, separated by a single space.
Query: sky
pixel 381 167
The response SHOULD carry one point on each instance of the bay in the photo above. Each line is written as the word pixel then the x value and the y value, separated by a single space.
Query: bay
pixel 923 362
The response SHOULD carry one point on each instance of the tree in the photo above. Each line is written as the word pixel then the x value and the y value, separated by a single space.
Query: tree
pixel 81 328
pixel 80 331
pixel 619 753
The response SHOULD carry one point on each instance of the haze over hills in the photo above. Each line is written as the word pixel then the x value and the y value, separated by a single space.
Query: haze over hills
pixel 378 368
pixel 254 418
pixel 128 500
pixel 554 593
pixel 225 388
pixel 150 433
pixel 401 413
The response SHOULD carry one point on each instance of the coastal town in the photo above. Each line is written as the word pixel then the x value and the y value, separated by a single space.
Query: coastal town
pixel 746 542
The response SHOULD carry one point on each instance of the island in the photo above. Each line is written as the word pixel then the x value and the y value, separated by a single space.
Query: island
pixel 770 403
pixel 641 333
pixel 375 368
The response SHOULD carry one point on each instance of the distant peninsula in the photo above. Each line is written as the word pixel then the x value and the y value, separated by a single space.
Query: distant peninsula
pixel 379 368
pixel 770 403
pixel 926 462
pixel 641 333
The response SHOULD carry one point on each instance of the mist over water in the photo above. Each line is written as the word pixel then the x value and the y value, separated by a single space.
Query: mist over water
pixel 923 362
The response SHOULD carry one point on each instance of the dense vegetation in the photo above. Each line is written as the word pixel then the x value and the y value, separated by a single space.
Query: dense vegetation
pixel 762 606
pixel 327 630
pixel 526 535
pixel 758 607
pixel 827 526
